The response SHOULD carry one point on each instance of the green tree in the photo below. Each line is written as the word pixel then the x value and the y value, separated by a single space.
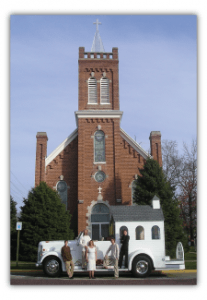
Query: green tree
pixel 153 182
pixel 13 232
pixel 181 171
pixel 44 218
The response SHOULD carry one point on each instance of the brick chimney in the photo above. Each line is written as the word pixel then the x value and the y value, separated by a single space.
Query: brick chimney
pixel 155 145
pixel 41 153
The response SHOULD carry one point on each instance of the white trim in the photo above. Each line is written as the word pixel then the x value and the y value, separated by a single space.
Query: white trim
pixel 112 114
pixel 61 147
pixel 134 144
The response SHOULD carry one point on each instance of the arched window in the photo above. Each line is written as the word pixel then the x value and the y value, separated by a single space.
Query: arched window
pixel 104 90
pixel 100 218
pixel 133 186
pixel 155 232
pixel 62 191
pixel 139 233
pixel 92 90
pixel 99 146
pixel 121 230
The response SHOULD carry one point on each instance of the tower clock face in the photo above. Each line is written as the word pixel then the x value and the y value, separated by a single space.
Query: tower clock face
pixel 100 176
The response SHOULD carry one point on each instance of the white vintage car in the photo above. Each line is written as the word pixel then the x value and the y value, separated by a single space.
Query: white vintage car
pixel 145 226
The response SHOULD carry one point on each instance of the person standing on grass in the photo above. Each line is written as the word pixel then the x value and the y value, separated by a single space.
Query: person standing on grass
pixel 91 258
pixel 67 257
pixel 113 259
pixel 124 249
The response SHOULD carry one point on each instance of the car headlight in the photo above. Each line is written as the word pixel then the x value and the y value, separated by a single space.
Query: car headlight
pixel 44 250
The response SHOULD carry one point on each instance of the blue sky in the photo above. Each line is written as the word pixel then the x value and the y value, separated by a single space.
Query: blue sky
pixel 157 80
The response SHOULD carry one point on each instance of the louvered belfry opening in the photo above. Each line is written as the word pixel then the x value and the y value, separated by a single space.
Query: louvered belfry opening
pixel 104 90
pixel 92 90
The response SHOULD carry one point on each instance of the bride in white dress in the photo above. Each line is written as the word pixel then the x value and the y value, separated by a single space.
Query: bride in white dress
pixel 91 258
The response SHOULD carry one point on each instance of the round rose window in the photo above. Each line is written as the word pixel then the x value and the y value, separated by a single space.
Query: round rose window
pixel 100 176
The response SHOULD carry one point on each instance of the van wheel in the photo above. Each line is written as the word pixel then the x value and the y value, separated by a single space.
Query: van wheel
pixel 141 266
pixel 51 266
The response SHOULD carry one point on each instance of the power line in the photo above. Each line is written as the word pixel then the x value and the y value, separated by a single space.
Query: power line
pixel 13 192
pixel 19 181
pixel 17 188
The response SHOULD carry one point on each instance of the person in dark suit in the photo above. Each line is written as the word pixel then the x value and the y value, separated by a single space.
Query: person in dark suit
pixel 124 249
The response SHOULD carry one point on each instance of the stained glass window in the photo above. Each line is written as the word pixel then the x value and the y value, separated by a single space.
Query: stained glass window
pixel 100 213
pixel 99 146
pixel 62 191
pixel 133 186
pixel 100 176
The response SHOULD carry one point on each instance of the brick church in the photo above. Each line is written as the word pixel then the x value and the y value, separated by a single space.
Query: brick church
pixel 95 166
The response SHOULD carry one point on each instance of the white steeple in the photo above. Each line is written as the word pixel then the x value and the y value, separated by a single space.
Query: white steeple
pixel 97 42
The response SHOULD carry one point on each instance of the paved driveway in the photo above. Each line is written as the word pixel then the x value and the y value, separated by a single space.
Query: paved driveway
pixel 37 277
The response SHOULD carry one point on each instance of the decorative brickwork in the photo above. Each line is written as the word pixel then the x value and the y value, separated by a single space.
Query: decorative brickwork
pixel 98 66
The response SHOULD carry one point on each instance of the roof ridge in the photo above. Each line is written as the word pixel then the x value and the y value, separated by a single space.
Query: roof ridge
pixel 134 144
pixel 61 147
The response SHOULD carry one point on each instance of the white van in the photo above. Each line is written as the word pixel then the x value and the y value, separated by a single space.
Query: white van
pixel 145 226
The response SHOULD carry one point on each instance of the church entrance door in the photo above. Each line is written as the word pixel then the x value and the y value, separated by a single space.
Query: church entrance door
pixel 100 231
pixel 100 218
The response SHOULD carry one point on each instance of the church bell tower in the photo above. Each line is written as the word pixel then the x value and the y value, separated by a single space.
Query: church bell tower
pixel 98 122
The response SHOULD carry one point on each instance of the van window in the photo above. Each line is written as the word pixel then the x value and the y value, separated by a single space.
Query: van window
pixel 155 232
pixel 139 232
pixel 121 230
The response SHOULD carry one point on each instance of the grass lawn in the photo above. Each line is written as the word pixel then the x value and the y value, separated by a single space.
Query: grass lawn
pixel 191 259
pixel 190 256
pixel 22 265
pixel 191 265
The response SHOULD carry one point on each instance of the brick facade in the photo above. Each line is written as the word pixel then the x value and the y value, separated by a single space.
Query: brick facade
pixel 75 161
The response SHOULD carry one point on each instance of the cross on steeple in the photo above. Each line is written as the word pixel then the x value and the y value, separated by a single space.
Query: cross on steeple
pixel 97 42
pixel 97 23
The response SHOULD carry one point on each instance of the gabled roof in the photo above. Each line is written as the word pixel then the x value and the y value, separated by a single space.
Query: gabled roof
pixel 134 144
pixel 61 147
pixel 136 213
pixel 74 134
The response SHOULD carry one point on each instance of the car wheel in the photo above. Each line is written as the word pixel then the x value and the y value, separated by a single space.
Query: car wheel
pixel 51 266
pixel 141 266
